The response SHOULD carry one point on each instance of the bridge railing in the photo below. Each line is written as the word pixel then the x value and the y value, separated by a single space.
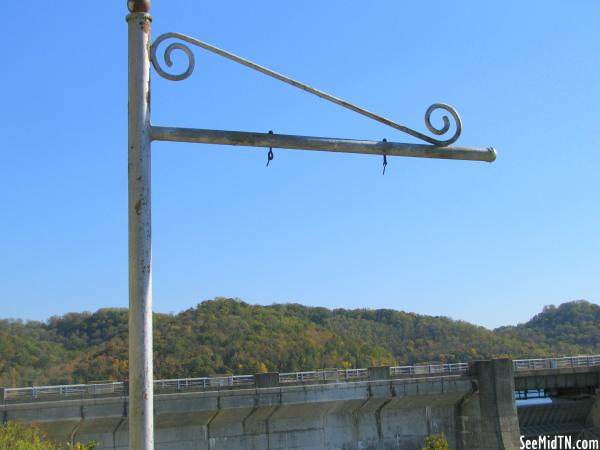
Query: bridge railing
pixel 556 363
pixel 324 375
pixel 72 390
pixel 428 369
pixel 315 376
pixel 203 383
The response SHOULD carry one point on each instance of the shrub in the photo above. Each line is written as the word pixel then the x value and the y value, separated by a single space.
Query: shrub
pixel 19 436
pixel 436 442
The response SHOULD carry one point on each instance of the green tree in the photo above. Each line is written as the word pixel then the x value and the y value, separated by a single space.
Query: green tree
pixel 19 436
pixel 85 347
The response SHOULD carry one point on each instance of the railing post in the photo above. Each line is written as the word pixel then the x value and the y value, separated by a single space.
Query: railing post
pixel 378 373
pixel 141 418
pixel 265 380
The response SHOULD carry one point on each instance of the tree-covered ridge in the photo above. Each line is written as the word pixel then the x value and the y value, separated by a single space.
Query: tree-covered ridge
pixel 570 328
pixel 230 336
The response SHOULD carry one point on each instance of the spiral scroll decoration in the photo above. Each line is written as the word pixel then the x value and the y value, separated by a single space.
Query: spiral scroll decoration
pixel 167 57
pixel 191 64
pixel 446 127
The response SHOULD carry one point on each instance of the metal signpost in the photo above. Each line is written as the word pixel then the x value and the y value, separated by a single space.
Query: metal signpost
pixel 141 135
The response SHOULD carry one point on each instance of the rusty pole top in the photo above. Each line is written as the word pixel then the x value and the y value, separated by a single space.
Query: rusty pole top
pixel 138 6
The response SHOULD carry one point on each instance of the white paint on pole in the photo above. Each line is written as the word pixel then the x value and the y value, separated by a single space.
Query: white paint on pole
pixel 141 409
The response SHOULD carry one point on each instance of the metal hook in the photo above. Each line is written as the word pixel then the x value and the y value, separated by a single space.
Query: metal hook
pixel 270 154
pixel 384 158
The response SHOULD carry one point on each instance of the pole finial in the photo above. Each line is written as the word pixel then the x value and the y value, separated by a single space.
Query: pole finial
pixel 141 6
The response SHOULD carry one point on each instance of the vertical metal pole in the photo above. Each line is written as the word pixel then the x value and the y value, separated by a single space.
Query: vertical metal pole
pixel 141 405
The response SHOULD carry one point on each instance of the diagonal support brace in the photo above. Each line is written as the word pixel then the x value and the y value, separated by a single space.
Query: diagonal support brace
pixel 156 62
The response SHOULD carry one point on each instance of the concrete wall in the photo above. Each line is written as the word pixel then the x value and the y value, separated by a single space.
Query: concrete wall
pixel 568 417
pixel 562 378
pixel 386 414
pixel 593 418
pixel 475 412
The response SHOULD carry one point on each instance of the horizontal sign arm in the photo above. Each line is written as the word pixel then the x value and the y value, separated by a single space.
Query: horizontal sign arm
pixel 266 140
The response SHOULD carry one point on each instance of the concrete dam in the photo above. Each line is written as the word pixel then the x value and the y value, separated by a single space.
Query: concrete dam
pixel 375 408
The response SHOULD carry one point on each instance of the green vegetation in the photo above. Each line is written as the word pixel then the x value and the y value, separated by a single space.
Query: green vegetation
pixel 18 436
pixel 230 336
pixel 569 329
pixel 436 442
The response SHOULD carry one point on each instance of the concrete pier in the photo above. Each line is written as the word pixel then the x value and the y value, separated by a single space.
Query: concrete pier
pixel 488 418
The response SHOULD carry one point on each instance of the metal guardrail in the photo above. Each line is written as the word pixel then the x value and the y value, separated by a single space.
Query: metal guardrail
pixel 289 378
pixel 429 369
pixel 66 391
pixel 204 383
pixel 323 376
pixel 556 363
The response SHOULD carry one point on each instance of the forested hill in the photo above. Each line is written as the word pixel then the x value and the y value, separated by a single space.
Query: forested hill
pixel 230 336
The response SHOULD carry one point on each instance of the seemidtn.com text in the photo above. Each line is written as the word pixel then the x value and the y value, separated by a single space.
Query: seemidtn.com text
pixel 559 442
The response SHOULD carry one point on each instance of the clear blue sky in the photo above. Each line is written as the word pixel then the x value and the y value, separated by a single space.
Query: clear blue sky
pixel 487 243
